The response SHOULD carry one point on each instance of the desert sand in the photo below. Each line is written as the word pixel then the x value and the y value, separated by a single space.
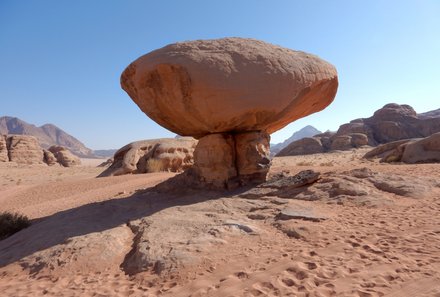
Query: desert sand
pixel 85 233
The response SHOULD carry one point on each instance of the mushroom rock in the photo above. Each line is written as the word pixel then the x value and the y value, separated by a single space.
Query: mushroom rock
pixel 230 94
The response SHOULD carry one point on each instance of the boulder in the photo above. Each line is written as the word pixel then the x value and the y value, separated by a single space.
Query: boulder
pixel 3 149
pixel 24 149
pixel 422 151
pixel 233 84
pixel 341 142
pixel 357 127
pixel 384 150
pixel 64 156
pixel 305 146
pixel 49 158
pixel 166 154
pixel 417 150
pixel 227 87
pixel 358 139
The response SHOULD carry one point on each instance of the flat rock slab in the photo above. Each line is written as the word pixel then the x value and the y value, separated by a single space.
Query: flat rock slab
pixel 301 213
pixel 300 179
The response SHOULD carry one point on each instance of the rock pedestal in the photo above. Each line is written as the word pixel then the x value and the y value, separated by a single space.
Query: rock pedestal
pixel 229 93
pixel 227 160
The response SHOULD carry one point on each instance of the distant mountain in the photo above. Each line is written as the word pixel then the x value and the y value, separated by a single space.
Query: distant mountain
pixel 307 131
pixel 47 135
pixel 105 153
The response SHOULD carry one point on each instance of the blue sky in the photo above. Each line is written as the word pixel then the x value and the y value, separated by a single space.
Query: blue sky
pixel 60 61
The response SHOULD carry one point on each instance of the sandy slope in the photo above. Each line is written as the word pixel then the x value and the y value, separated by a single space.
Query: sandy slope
pixel 89 235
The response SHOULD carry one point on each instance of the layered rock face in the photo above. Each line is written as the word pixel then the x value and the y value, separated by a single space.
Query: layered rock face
pixel 3 149
pixel 230 94
pixel 166 154
pixel 391 123
pixel 25 149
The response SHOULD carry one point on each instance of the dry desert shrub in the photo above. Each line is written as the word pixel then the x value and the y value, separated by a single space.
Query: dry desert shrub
pixel 155 165
pixel 327 164
pixel 304 163
pixel 11 223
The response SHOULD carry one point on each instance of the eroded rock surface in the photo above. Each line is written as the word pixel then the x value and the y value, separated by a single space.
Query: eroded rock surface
pixel 3 149
pixel 49 158
pixel 24 149
pixel 411 151
pixel 64 156
pixel 165 154
pixel 230 92
pixel 390 124
pixel 359 186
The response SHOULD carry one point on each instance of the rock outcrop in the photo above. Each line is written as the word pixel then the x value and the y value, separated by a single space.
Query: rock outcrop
pixel 391 123
pixel 49 158
pixel 64 156
pixel 305 146
pixel 166 154
pixel 418 150
pixel 230 94
pixel 3 149
pixel 25 149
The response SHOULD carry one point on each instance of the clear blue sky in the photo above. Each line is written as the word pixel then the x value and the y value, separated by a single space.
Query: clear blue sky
pixel 60 61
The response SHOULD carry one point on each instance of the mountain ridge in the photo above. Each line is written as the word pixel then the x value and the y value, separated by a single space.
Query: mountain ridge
pixel 47 135
pixel 306 131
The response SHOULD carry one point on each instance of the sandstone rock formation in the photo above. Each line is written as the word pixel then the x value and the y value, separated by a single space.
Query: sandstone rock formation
pixel 418 150
pixel 24 149
pixel 231 94
pixel 391 123
pixel 305 146
pixel 3 149
pixel 166 154
pixel 64 156
pixel 49 158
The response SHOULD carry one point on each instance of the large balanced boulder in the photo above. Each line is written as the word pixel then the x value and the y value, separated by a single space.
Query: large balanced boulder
pixel 241 89
pixel 63 156
pixel 165 154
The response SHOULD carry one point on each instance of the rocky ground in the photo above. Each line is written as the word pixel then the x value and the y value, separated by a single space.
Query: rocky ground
pixel 360 228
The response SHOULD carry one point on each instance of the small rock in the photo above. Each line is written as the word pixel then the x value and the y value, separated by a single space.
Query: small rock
pixel 299 213
pixel 241 226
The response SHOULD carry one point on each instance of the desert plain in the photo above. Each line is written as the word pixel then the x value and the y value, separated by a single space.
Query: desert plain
pixel 363 228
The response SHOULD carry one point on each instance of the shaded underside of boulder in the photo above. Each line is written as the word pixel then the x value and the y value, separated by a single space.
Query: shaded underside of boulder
pixel 165 154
